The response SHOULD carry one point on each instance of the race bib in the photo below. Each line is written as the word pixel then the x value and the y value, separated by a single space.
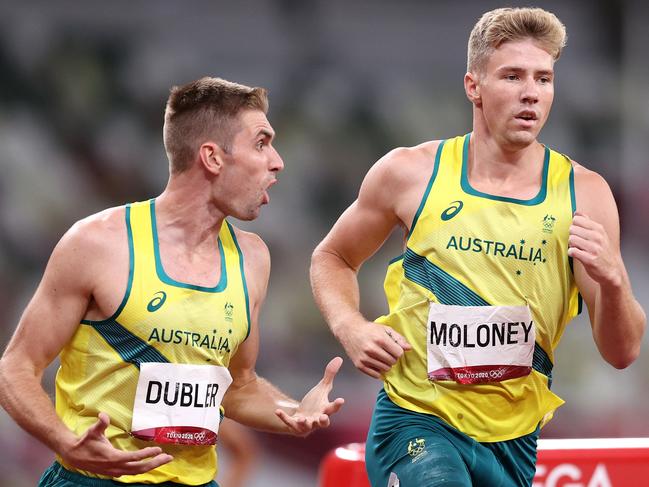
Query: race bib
pixel 179 403
pixel 478 344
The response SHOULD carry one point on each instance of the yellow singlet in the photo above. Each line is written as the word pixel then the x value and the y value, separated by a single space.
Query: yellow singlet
pixel 469 248
pixel 159 320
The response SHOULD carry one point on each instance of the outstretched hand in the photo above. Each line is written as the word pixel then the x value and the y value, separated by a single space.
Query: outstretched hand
pixel 94 453
pixel 314 410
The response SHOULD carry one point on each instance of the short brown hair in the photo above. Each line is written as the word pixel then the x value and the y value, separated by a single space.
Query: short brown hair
pixel 203 109
pixel 509 24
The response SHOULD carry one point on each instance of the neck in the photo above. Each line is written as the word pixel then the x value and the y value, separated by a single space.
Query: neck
pixel 185 213
pixel 493 158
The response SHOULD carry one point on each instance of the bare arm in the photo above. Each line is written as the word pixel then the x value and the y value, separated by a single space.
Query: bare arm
pixel 617 318
pixel 255 402
pixel 388 198
pixel 58 304
pixel 48 323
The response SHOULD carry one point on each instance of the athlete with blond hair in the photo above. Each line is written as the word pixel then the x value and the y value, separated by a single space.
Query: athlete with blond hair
pixel 503 236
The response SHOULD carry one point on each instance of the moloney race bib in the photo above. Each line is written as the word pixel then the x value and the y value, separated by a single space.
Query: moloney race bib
pixel 478 344
pixel 179 403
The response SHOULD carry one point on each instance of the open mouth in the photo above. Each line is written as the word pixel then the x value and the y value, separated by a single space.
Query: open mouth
pixel 265 195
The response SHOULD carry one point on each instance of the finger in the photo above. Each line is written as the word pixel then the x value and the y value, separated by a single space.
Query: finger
pixel 583 244
pixel 585 221
pixel 401 341
pixel 581 255
pixel 334 407
pixel 382 356
pixel 142 466
pixel 582 231
pixel 375 374
pixel 381 367
pixel 331 370
pixel 98 428
pixel 313 423
pixel 286 419
pixel 310 423
pixel 143 454
pixel 322 422
pixel 296 424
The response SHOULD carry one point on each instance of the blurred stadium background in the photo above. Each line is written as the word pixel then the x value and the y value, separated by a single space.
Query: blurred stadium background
pixel 82 93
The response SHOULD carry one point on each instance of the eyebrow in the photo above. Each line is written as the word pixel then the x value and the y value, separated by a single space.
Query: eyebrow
pixel 266 133
pixel 519 69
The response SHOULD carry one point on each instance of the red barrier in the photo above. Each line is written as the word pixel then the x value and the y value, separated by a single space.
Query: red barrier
pixel 344 467
pixel 601 462
pixel 597 462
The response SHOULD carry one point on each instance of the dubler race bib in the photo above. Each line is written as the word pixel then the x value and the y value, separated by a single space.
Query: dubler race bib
pixel 179 403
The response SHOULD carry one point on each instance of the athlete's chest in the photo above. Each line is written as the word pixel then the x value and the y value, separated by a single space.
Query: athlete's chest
pixel 186 321
pixel 180 318
pixel 500 232
pixel 117 271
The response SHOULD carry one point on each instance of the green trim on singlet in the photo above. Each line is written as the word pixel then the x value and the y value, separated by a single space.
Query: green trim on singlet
pixel 162 275
pixel 573 202
pixel 573 196
pixel 243 274
pixel 130 347
pixel 580 304
pixel 450 291
pixel 424 198
pixel 466 186
pixel 541 363
pixel 445 287
pixel 131 268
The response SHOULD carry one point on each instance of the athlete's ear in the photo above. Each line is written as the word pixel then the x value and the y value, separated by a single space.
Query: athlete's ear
pixel 211 156
pixel 472 88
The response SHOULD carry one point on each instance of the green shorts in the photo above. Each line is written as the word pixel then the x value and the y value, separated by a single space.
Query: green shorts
pixel 409 449
pixel 57 476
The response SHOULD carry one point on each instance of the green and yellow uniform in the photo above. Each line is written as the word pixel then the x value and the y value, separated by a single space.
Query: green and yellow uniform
pixel 160 321
pixel 471 249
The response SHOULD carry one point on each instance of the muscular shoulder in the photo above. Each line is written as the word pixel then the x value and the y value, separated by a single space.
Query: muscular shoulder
pixel 403 172
pixel 403 165
pixel 256 258
pixel 87 249
pixel 98 231
pixel 94 238
pixel 591 190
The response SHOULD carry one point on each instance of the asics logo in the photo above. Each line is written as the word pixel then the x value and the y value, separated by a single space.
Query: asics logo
pixel 158 300
pixel 452 210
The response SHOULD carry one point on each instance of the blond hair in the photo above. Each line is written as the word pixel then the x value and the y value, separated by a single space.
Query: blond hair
pixel 202 110
pixel 511 24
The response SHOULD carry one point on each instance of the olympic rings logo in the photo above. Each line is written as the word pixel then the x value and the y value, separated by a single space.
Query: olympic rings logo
pixel 497 374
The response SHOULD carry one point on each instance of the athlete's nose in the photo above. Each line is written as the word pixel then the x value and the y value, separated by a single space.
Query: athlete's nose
pixel 277 163
pixel 530 91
